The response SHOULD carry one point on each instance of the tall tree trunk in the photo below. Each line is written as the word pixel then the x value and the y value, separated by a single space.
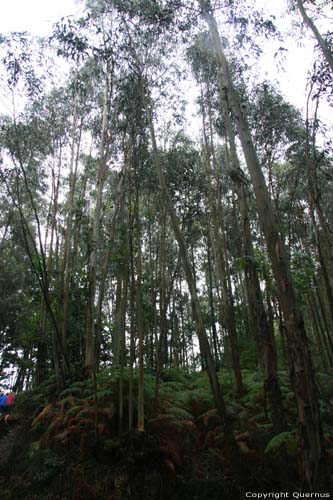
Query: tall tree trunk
pixel 116 217
pixel 322 316
pixel 321 340
pixel 264 333
pixel 59 358
pixel 90 358
pixel 323 234
pixel 313 451
pixel 220 252
pixel 203 340
pixel 211 304
pixel 18 386
pixel 66 272
pixel 163 303
pixel 122 346
pixel 321 42
pixel 117 321
pixel 132 319
pixel 141 411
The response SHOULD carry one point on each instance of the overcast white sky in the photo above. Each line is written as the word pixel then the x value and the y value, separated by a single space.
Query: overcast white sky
pixel 35 16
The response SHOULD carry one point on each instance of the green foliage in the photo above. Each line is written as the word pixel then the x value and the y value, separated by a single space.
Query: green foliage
pixel 286 440
pixel 176 375
pixel 185 425
pixel 243 448
pixel 325 382
pixel 179 413
pixel 302 267
pixel 325 386
pixel 278 116
pixel 255 394
pixel 44 463
pixel 78 389
pixel 166 422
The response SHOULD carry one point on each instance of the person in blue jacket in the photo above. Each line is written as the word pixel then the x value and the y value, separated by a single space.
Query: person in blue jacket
pixel 3 399
pixel 6 404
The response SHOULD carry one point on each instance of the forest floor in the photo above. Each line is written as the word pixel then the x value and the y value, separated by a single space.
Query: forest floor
pixel 73 445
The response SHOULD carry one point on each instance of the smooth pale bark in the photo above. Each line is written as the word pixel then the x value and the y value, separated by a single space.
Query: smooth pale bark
pixel 150 281
pixel 322 231
pixel 122 325
pixel 209 277
pixel 163 303
pixel 50 265
pixel 264 332
pixel 90 358
pixel 221 252
pixel 116 217
pixel 138 289
pixel 132 319
pixel 116 337
pixel 301 368
pixel 67 270
pixel 60 361
pixel 322 43
pixel 41 356
pixel 324 270
pixel 18 386
pixel 219 248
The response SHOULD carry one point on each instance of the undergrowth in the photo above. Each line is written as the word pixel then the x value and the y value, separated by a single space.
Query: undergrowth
pixel 76 448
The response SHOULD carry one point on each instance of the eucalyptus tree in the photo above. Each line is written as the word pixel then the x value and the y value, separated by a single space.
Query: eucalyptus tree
pixel 101 174
pixel 38 142
pixel 204 66
pixel 324 41
pixel 312 191
pixel 32 151
pixel 137 47
pixel 313 451
pixel 20 299
pixel 67 267
pixel 186 185
pixel 280 128
pixel 94 38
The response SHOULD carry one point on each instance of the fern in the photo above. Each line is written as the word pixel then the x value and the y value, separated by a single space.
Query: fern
pixel 201 382
pixel 74 390
pixel 166 422
pixel 180 413
pixel 173 386
pixel 106 393
pixel 55 424
pixel 176 375
pixel 258 416
pixel 46 412
pixel 287 440
pixel 234 408
pixel 243 448
pixel 74 410
pixel 210 419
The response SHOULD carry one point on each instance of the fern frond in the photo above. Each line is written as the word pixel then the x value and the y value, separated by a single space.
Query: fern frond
pixel 46 412
pixel 179 413
pixel 286 440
